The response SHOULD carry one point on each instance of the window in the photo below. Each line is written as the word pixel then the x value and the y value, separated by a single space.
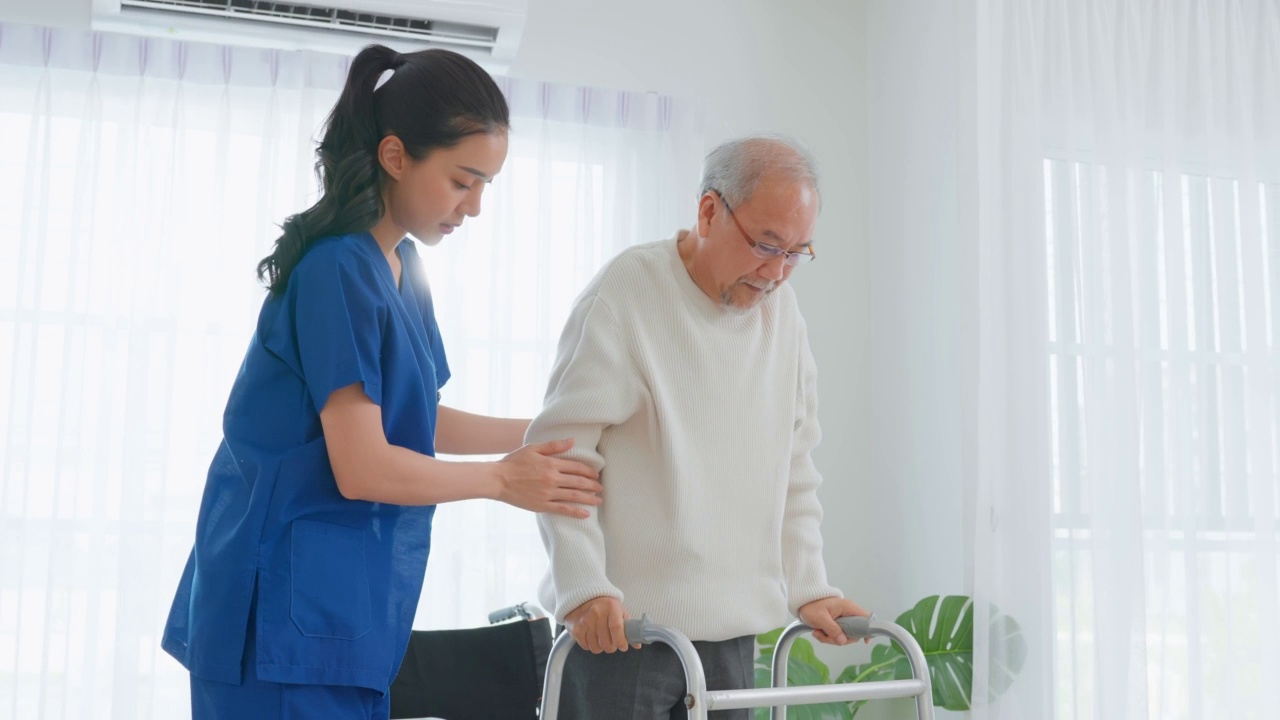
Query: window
pixel 1161 362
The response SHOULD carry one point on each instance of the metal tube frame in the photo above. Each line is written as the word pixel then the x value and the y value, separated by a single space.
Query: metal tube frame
pixel 920 686
pixel 699 701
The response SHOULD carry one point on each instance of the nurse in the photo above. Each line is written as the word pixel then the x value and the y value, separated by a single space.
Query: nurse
pixel 312 538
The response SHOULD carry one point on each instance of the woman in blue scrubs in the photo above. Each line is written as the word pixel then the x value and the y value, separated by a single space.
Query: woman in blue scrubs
pixel 314 528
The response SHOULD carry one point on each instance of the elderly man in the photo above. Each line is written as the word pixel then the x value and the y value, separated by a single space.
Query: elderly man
pixel 684 376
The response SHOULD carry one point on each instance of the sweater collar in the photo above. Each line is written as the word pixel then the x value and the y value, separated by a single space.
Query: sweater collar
pixel 711 309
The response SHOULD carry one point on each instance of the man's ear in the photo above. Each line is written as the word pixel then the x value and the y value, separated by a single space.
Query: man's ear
pixel 392 157
pixel 706 211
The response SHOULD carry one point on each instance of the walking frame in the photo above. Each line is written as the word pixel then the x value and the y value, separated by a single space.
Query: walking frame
pixel 699 700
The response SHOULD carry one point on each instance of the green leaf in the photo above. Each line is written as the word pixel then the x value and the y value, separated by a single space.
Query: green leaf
pixel 803 666
pixel 944 628
pixel 870 672
pixel 812 670
pixel 763 678
pixel 1006 634
pixel 770 639
pixel 848 675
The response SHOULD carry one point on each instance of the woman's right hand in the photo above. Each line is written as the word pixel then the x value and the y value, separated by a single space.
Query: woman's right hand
pixel 533 479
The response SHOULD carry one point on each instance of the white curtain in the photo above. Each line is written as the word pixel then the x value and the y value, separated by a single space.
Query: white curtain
pixel 142 181
pixel 1125 325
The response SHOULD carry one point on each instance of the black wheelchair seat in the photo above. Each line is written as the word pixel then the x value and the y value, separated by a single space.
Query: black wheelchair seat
pixel 484 673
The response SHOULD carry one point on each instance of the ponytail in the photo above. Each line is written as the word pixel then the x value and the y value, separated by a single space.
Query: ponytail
pixel 433 99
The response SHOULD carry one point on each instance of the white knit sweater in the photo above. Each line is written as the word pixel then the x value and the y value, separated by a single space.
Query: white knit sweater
pixel 701 420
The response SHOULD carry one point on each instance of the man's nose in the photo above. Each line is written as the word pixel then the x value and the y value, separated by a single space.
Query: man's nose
pixel 774 269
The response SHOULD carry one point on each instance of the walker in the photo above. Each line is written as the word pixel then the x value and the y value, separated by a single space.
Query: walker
pixel 700 701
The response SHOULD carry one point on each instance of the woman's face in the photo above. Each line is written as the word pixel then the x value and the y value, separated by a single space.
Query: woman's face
pixel 429 198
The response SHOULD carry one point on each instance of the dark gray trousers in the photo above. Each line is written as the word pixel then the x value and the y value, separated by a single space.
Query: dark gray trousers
pixel 648 684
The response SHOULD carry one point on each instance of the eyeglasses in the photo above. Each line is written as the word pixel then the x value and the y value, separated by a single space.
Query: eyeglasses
pixel 765 251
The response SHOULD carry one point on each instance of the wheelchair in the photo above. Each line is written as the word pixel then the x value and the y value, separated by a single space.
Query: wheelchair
pixel 495 672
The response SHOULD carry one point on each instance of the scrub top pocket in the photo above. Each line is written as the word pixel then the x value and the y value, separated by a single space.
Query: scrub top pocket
pixel 329 588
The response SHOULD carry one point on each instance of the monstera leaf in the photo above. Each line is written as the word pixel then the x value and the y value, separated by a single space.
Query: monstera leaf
pixel 943 626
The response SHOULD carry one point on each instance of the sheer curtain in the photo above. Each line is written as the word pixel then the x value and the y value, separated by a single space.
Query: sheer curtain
pixel 1128 260
pixel 142 180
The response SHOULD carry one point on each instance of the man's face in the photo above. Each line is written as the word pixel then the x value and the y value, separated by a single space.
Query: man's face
pixel 781 213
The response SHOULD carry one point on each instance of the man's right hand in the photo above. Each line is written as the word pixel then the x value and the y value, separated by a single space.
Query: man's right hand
pixel 598 625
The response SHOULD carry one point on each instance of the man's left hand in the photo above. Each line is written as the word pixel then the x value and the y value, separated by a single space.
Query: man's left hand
pixel 821 616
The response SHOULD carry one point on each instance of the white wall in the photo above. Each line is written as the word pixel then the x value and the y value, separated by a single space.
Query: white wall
pixel 916 211
pixel 914 290
pixel 797 67
pixel 53 13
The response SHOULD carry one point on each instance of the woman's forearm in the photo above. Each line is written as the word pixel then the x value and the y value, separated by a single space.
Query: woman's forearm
pixel 367 467
pixel 464 433
pixel 394 474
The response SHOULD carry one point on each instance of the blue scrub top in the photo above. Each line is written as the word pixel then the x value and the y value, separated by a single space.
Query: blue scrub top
pixel 337 580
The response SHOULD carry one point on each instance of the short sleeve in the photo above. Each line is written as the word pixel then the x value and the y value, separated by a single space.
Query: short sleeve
pixel 339 314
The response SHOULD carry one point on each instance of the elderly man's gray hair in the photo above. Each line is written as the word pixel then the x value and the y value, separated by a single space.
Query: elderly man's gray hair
pixel 736 166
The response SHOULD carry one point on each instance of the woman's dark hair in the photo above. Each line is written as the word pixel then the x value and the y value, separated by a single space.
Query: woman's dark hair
pixel 433 99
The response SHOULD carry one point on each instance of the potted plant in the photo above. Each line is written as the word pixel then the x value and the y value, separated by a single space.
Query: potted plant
pixel 944 628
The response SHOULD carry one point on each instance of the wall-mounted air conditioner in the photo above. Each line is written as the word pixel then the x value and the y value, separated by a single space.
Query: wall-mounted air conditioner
pixel 486 30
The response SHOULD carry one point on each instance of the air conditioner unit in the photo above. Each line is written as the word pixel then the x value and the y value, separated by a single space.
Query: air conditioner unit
pixel 488 31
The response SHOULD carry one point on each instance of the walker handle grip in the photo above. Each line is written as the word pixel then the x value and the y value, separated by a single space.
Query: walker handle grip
pixel 637 630
pixel 856 627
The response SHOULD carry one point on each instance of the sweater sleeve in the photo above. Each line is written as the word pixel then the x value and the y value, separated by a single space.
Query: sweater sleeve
pixel 593 385
pixel 803 566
